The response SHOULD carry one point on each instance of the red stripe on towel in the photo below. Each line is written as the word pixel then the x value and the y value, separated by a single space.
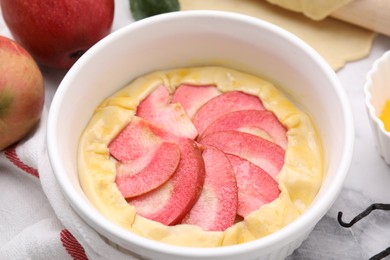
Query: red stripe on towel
pixel 72 246
pixel 13 157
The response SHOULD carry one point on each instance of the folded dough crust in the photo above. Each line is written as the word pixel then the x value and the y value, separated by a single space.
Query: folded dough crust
pixel 299 180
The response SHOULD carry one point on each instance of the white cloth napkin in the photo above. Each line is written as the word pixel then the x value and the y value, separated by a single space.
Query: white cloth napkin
pixel 37 222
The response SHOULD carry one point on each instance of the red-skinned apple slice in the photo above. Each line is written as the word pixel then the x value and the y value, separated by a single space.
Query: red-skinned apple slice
pixel 169 203
pixel 193 97
pixel 255 186
pixel 148 172
pixel 157 109
pixel 245 120
pixel 216 208
pixel 224 103
pixel 136 140
pixel 263 153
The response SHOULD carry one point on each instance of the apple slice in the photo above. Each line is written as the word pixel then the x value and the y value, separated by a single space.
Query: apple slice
pixel 193 97
pixel 224 103
pixel 148 172
pixel 156 109
pixel 136 140
pixel 251 121
pixel 263 153
pixel 169 203
pixel 255 186
pixel 216 208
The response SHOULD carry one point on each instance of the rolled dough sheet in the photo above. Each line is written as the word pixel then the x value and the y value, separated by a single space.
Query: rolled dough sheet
pixel 316 10
pixel 338 42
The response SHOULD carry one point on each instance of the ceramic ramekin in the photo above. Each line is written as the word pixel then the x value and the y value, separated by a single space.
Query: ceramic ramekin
pixel 197 38
pixel 377 93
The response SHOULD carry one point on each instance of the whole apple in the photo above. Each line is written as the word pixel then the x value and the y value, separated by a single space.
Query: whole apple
pixel 21 92
pixel 57 32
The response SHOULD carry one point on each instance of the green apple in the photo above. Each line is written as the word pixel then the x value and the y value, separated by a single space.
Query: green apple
pixel 21 92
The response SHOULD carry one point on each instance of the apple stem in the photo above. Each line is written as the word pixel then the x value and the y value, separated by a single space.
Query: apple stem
pixel 76 55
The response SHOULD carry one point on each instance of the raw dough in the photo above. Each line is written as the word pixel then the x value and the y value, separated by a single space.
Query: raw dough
pixel 316 10
pixel 338 42
pixel 299 180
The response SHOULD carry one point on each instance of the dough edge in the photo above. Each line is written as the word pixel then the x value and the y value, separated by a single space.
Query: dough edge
pixel 303 166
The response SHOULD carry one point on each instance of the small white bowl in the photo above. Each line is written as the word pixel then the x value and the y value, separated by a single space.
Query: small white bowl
pixel 191 39
pixel 377 92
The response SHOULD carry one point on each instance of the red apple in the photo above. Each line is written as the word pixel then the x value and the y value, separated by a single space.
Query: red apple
pixel 58 32
pixel 255 186
pixel 146 157
pixel 261 152
pixel 224 103
pixel 258 122
pixel 148 172
pixel 21 92
pixel 193 97
pixel 216 208
pixel 170 202
pixel 157 109
pixel 135 140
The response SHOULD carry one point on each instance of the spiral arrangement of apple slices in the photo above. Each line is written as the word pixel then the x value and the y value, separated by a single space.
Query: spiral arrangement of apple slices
pixel 199 156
